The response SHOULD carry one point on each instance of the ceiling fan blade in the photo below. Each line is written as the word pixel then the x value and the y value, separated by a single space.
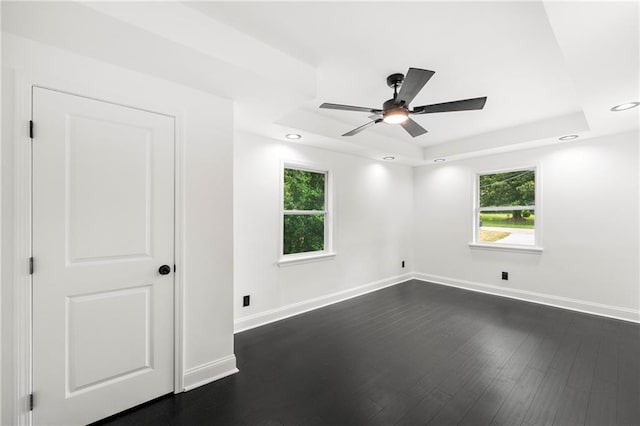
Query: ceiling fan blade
pixel 413 128
pixel 463 105
pixel 375 116
pixel 413 82
pixel 350 108
pixel 361 128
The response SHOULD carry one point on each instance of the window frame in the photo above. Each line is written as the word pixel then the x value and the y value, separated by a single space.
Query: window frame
pixel 312 256
pixel 536 247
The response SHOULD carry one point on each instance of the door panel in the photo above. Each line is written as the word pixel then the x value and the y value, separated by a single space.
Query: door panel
pixel 96 149
pixel 103 206
pixel 101 354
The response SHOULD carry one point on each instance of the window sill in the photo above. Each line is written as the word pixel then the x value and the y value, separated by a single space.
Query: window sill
pixel 296 260
pixel 506 247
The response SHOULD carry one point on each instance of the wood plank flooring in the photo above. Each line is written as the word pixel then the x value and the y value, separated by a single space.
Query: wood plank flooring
pixel 416 354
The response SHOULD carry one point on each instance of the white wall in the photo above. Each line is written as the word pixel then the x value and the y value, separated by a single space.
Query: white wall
pixel 589 206
pixel 204 129
pixel 373 211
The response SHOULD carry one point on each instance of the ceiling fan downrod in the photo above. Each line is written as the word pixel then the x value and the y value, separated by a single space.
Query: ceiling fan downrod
pixel 394 81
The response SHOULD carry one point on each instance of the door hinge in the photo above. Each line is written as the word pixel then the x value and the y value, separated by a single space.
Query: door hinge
pixel 174 268
pixel 31 266
pixel 31 129
pixel 31 402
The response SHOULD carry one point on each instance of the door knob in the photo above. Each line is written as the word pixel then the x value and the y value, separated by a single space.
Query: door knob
pixel 164 270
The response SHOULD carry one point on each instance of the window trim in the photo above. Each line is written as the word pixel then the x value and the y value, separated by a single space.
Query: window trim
pixel 311 256
pixel 535 248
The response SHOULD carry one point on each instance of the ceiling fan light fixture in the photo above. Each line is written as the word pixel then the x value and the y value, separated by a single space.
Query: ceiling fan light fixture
pixel 395 116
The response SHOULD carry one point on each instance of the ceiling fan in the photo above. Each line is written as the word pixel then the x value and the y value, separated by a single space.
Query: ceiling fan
pixel 396 110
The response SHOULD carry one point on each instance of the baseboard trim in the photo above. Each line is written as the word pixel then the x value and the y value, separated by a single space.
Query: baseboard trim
pixel 584 306
pixel 263 318
pixel 209 372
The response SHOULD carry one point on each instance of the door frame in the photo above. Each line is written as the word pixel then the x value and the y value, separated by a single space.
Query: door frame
pixel 23 216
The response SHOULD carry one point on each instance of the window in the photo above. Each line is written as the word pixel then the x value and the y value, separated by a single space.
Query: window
pixel 506 209
pixel 306 224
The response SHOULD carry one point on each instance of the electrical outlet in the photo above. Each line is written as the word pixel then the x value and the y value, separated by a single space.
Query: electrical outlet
pixel 246 300
pixel 505 276
pixel 403 263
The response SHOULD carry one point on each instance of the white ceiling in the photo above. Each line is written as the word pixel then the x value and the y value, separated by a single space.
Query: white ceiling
pixel 506 51
pixel 548 68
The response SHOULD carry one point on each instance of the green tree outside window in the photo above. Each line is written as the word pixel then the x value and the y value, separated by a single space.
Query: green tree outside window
pixel 304 207
pixel 506 207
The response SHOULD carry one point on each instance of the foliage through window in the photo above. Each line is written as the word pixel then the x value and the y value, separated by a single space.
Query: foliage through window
pixel 506 208
pixel 304 211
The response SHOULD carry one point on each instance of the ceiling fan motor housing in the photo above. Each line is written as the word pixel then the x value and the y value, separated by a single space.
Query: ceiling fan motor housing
pixel 388 105
pixel 393 113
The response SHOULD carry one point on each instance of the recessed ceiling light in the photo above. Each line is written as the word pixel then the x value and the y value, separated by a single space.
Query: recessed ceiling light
pixel 293 136
pixel 439 160
pixel 625 107
pixel 388 158
pixel 568 138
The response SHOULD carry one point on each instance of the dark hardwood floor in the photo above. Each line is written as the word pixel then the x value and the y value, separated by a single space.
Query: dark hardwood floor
pixel 420 353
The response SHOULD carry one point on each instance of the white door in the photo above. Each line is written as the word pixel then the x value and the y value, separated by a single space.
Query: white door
pixel 103 208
